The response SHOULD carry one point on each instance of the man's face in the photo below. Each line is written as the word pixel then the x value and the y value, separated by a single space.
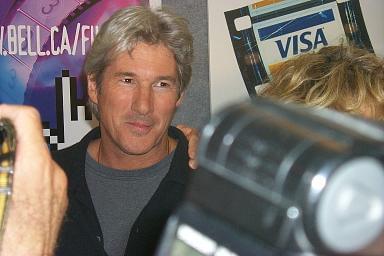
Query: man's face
pixel 137 101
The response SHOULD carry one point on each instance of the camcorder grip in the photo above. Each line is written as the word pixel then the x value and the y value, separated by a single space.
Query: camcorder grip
pixel 7 160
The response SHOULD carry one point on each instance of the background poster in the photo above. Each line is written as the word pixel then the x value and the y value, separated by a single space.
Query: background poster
pixel 247 39
pixel 43 48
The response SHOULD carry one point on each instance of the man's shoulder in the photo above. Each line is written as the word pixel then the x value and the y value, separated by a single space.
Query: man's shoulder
pixel 176 133
pixel 80 145
pixel 68 157
pixel 75 153
pixel 179 167
pixel 65 152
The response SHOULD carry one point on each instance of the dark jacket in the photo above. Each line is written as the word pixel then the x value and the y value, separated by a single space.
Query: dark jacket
pixel 81 233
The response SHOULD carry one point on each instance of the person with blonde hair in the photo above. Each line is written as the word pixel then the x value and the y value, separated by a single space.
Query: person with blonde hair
pixel 344 77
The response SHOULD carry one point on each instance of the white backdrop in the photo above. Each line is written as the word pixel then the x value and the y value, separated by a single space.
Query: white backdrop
pixel 226 83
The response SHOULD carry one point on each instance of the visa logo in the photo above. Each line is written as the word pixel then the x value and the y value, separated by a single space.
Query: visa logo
pixel 301 43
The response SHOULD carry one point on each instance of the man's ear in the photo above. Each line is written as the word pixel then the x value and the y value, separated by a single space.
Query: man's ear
pixel 92 89
pixel 180 100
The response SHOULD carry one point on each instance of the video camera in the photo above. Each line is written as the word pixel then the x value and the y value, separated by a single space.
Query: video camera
pixel 281 179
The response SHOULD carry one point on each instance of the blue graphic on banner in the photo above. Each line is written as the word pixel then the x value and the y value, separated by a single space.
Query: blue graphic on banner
pixel 296 24
pixel 43 46
pixel 282 29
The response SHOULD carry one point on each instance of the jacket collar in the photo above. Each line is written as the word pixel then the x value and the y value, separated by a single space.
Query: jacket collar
pixel 180 158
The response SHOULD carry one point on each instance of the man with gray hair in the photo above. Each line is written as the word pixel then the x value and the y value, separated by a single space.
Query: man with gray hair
pixel 127 176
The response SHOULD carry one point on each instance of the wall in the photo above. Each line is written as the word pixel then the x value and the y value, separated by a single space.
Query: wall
pixel 226 82
pixel 195 110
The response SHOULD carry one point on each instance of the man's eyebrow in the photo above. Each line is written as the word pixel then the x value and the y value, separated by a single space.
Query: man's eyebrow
pixel 120 74
pixel 168 78
pixel 158 78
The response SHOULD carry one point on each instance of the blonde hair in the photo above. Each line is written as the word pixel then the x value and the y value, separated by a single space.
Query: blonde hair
pixel 345 78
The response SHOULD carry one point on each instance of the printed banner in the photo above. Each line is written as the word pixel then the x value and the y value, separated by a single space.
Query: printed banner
pixel 44 43
pixel 267 33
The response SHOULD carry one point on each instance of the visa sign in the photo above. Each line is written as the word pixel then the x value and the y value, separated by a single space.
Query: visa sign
pixel 300 43
pixel 282 37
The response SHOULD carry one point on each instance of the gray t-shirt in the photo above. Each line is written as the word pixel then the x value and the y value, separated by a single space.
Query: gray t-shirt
pixel 119 196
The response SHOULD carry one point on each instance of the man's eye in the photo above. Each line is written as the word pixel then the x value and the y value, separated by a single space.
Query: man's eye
pixel 163 84
pixel 128 80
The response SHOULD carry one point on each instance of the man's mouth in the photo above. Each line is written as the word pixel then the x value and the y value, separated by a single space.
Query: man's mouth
pixel 140 126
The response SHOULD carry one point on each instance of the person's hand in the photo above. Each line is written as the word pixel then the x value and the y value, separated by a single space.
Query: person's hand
pixel 192 135
pixel 39 195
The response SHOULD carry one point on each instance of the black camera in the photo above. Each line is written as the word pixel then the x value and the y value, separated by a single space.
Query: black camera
pixel 7 158
pixel 279 179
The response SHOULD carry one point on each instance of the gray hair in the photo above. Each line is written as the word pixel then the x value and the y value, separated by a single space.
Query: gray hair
pixel 130 26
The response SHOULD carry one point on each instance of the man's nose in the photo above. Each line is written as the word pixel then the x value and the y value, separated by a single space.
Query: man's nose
pixel 143 100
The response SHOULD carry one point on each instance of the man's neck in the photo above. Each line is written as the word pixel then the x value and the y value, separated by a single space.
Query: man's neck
pixel 118 159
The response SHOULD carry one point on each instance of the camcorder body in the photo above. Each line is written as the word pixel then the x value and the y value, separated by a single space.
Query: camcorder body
pixel 7 160
pixel 282 179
